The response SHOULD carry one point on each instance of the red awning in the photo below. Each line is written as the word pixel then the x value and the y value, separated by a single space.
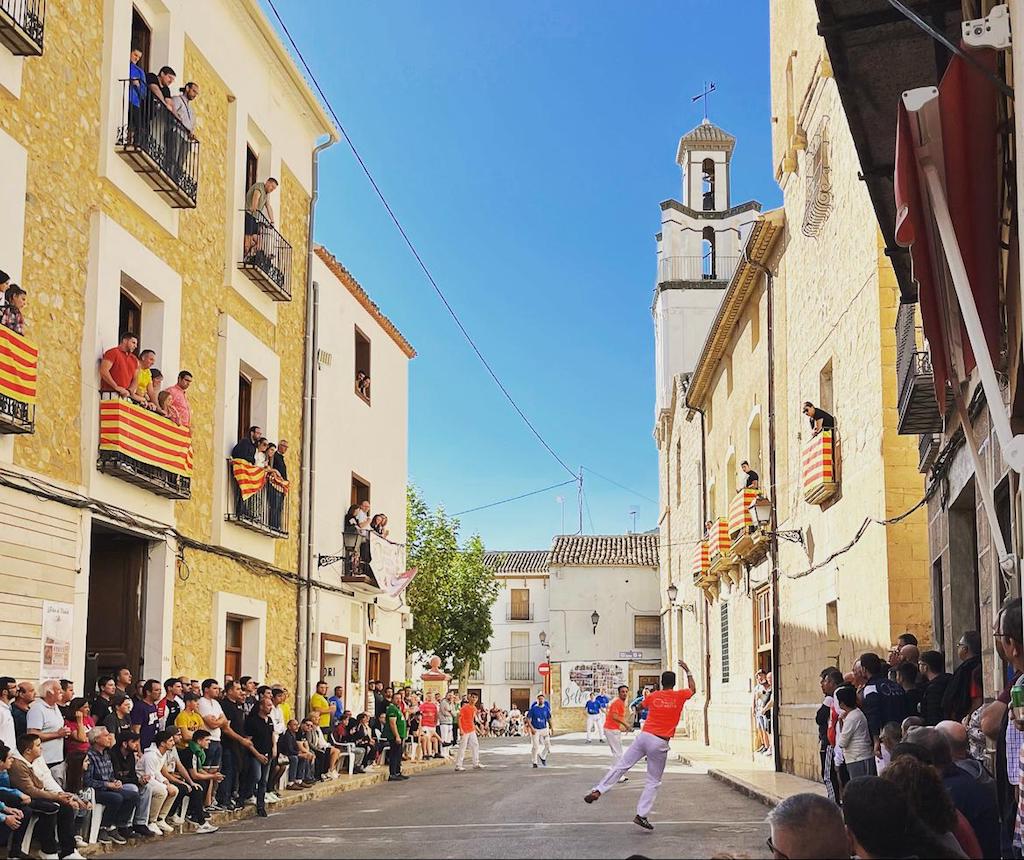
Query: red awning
pixel 967 104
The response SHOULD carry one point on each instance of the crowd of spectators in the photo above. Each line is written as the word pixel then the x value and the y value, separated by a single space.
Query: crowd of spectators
pixel 135 378
pixel 13 299
pixel 903 733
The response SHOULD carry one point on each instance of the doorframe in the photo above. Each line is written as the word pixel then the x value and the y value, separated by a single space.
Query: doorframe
pixel 385 650
pixel 332 637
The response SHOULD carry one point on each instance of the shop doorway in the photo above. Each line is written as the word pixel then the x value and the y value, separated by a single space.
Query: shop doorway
pixel 334 662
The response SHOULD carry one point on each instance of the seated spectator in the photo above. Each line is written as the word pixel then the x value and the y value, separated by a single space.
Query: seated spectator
pixel 100 706
pixel 12 315
pixel 180 779
pixel 193 758
pixel 933 665
pixel 118 365
pixel 76 745
pixel 154 766
pixel 807 826
pixel 910 723
pixel 124 758
pixel 120 800
pixel 929 801
pixel 881 823
pixel 327 756
pixel 300 768
pixel 14 812
pixel 359 733
pixel 119 718
pixel 54 808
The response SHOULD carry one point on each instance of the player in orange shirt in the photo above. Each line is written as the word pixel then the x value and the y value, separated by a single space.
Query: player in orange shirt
pixel 664 708
pixel 467 735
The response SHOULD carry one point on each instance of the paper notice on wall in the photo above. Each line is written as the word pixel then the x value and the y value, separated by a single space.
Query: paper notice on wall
pixel 388 563
pixel 55 659
pixel 579 680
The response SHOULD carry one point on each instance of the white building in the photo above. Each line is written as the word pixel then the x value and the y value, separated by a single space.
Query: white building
pixel 509 672
pixel 361 453
pixel 698 249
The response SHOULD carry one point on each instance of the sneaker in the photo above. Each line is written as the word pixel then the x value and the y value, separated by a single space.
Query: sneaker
pixel 117 837
pixel 156 831
pixel 177 820
pixel 141 831
pixel 478 767
pixel 206 827
pixel 80 842
pixel 594 795
pixel 272 797
pixel 395 778
pixel 544 762
pixel 460 770
pixel 103 837
pixel 74 855
pixel 535 764
pixel 164 826
pixel 641 821
pixel 250 801
pixel 46 856
pixel 623 779
pixel 126 833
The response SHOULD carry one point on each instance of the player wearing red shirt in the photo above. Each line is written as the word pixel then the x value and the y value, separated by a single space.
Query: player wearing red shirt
pixel 664 708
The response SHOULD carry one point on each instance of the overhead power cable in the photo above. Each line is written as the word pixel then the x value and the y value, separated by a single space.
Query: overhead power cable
pixel 513 499
pixel 620 486
pixel 412 247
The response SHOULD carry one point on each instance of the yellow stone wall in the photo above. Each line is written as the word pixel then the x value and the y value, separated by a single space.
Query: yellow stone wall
pixel 57 119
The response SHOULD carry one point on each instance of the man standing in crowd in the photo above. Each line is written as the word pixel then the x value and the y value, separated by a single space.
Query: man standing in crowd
pixel 245 448
pixel 20 707
pixel 337 705
pixel 963 695
pixel 100 706
pixel 447 715
pixel 884 701
pixel 467 735
pixel 538 724
pixel 168 708
pixel 178 400
pixel 826 719
pixel 933 665
pixel 395 729
pixel 47 722
pixel 320 708
pixel 664 709
pixel 8 692
pixel 144 714
pixel 260 728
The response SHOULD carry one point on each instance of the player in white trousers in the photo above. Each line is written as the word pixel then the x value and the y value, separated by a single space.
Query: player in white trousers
pixel 538 724
pixel 467 735
pixel 664 708
pixel 615 724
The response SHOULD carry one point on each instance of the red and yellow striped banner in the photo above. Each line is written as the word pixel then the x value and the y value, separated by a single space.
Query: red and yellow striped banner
pixel 19 358
pixel 701 559
pixel 129 429
pixel 719 542
pixel 819 466
pixel 740 519
pixel 249 477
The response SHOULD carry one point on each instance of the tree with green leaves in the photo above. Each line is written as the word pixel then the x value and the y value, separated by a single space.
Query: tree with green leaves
pixel 453 592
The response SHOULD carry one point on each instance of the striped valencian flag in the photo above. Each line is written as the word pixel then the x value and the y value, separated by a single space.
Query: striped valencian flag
pixel 719 541
pixel 740 519
pixel 701 560
pixel 19 359
pixel 145 436
pixel 278 483
pixel 249 477
pixel 819 467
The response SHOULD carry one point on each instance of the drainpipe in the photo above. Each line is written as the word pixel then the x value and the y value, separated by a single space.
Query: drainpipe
pixel 307 543
pixel 773 526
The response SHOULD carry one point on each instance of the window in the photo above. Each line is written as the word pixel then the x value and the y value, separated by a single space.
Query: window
pixel 754 445
pixel 129 315
pixel 244 405
pixel 142 38
pixel 725 642
pixel 233 647
pixel 832 632
pixel 826 393
pixel 938 607
pixel 362 369
pixel 708 254
pixel 708 184
pixel 646 632
pixel 679 471
pixel 519 604
pixel 360 490
pixel 252 163
pixel 762 620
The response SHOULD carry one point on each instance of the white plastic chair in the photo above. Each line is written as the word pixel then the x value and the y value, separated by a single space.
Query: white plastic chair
pixel 95 821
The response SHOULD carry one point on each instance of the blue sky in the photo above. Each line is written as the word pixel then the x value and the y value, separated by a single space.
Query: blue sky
pixel 526 149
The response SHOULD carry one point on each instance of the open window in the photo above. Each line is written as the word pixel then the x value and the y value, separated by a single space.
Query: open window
pixel 129 314
pixel 707 184
pixel 360 490
pixel 708 268
pixel 233 646
pixel 362 368
pixel 142 38
pixel 252 168
pixel 826 390
pixel 244 405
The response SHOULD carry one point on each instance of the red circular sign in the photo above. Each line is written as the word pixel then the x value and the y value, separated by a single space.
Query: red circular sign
pixel 544 668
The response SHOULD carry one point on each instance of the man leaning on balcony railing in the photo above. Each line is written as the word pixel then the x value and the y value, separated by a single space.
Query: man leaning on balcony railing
pixel 819 418
pixel 119 365
pixel 753 481
pixel 258 214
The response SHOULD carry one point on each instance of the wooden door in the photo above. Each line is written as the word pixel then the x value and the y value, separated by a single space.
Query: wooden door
pixel 114 628
pixel 378 663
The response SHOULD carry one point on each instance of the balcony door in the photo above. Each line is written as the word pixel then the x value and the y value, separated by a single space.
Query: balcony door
pixel 521 668
pixel 519 604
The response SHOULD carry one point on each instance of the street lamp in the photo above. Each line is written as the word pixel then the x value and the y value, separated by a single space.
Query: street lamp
pixel 594 619
pixel 543 638
pixel 673 593
pixel 761 513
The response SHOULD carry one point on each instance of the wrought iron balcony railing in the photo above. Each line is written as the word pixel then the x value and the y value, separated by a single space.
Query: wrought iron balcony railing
pixel 706 268
pixel 520 671
pixel 918 408
pixel 144 448
pixel 157 146
pixel 21 26
pixel 257 501
pixel 519 612
pixel 19 360
pixel 267 257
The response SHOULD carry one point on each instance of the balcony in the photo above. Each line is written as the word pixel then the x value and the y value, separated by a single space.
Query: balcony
pixel 19 359
pixel 159 148
pixel 520 671
pixel 928 447
pixel 701 567
pixel 21 26
pixel 144 448
pixel 724 561
pixel 749 541
pixel 820 468
pixel 476 676
pixel 686 269
pixel 267 258
pixel 918 408
pixel 519 612
pixel 258 500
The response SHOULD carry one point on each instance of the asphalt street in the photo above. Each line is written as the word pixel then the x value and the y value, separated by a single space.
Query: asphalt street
pixel 507 810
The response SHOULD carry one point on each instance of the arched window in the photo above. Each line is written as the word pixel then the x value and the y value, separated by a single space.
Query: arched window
pixel 708 184
pixel 708 254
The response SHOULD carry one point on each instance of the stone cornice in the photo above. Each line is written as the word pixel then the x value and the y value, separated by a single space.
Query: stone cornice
pixel 750 205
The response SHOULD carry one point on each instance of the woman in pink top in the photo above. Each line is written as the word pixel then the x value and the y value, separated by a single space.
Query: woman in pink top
pixel 78 721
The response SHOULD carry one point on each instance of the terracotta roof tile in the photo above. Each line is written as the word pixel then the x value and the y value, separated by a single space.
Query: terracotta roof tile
pixel 632 550
pixel 505 562
pixel 708 132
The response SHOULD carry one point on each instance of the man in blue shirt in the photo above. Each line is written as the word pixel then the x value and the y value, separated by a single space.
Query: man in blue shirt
pixel 594 719
pixel 538 723
pixel 339 705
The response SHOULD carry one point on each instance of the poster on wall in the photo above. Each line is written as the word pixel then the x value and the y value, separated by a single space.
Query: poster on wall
pixel 55 659
pixel 579 680
pixel 357 651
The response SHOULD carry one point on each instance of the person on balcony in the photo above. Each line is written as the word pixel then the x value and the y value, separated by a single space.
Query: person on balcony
pixel 379 524
pixel 257 210
pixel 119 364
pixel 183 135
pixel 245 448
pixel 13 314
pixel 143 380
pixel 136 91
pixel 753 479
pixel 159 86
pixel 178 400
pixel 819 418
pixel 262 446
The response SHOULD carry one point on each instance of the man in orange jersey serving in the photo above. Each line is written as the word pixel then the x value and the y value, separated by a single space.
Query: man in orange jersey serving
pixel 664 708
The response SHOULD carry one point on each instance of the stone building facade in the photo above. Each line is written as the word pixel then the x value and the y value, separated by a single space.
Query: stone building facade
pixel 151 571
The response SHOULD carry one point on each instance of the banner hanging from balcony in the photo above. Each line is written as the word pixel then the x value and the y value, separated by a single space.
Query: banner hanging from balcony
pixel 389 565
pixel 252 478
pixel 740 518
pixel 820 468
pixel 138 433
pixel 18 361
